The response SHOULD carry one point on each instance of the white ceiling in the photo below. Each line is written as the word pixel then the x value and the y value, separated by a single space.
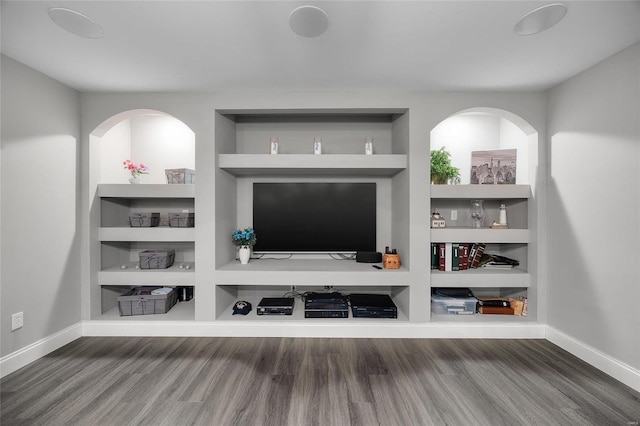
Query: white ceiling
pixel 205 46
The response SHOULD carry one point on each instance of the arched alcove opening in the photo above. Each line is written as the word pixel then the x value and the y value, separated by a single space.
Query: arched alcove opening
pixel 487 129
pixel 154 138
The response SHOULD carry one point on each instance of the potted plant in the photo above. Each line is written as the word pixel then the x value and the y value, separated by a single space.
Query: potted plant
pixel 244 239
pixel 442 171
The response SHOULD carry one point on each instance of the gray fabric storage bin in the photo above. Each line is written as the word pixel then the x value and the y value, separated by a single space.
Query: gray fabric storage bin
pixel 156 259
pixel 144 220
pixel 146 304
pixel 182 220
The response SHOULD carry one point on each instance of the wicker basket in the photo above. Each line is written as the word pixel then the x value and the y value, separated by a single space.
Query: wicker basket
pixel 156 259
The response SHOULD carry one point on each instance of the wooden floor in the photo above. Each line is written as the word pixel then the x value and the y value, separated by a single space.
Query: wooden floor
pixel 296 381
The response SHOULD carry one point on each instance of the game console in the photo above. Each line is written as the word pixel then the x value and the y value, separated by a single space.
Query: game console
pixel 372 306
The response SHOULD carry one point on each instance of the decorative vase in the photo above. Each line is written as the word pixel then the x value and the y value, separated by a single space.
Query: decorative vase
pixel 135 179
pixel 477 214
pixel 244 254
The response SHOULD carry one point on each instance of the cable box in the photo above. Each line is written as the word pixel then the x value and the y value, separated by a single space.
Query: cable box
pixel 326 305
pixel 275 306
pixel 373 306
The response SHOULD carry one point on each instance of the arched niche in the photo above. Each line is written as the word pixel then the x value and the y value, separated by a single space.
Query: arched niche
pixel 154 138
pixel 483 129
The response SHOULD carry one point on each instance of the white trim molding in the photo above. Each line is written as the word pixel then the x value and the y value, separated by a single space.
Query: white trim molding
pixel 620 371
pixel 33 352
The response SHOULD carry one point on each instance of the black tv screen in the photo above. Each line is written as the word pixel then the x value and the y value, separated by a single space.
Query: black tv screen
pixel 314 217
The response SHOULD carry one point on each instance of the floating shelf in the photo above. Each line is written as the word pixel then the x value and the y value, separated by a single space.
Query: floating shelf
pixel 160 233
pixel 146 191
pixel 481 192
pixel 312 165
pixel 471 235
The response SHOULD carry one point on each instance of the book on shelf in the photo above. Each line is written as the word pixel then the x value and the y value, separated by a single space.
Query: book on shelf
pixel 435 256
pixel 477 255
pixel 493 301
pixel 496 310
pixel 495 261
pixel 463 256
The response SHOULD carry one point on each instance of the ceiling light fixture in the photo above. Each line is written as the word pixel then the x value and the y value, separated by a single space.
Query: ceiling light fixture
pixel 75 22
pixel 540 19
pixel 308 21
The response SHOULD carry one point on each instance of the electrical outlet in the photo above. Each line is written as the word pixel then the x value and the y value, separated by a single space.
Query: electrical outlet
pixel 454 214
pixel 17 321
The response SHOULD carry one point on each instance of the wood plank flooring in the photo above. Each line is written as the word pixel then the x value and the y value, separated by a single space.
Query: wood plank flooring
pixel 300 381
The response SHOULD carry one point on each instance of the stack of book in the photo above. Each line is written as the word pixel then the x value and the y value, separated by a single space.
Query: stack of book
pixel 502 306
pixel 463 256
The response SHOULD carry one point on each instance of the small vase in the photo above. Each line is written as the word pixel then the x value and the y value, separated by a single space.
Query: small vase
pixel 244 254
pixel 135 179
pixel 477 214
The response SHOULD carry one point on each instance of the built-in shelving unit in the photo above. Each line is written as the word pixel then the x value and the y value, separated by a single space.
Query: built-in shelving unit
pixel 236 158
pixel 120 243
pixel 242 138
pixel 512 242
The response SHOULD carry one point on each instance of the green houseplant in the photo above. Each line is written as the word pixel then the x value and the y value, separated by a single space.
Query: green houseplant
pixel 442 171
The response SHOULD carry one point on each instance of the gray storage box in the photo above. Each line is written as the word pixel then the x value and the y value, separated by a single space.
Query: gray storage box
pixel 180 175
pixel 140 220
pixel 443 305
pixel 182 220
pixel 135 303
pixel 156 259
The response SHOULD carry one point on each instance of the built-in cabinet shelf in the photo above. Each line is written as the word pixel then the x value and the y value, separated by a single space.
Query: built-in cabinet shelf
pixel 121 243
pixel 312 165
pixel 454 200
pixel 238 157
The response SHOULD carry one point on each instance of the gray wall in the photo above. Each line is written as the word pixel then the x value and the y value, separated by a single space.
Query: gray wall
pixel 40 258
pixel 593 213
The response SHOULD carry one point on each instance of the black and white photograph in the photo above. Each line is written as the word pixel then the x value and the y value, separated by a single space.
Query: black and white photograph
pixel 494 167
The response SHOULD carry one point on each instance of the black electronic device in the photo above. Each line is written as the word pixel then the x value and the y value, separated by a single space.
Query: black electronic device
pixel 368 257
pixel 372 306
pixel 326 305
pixel 326 217
pixel 275 306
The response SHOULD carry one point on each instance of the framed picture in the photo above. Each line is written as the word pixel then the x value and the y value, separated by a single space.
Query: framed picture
pixel 494 167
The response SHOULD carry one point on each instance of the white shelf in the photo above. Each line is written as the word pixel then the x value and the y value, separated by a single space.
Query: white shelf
pixel 312 165
pixel 181 311
pixel 132 276
pixel 146 191
pixel 160 233
pixel 486 235
pixel 481 278
pixel 310 272
pixel 481 192
pixel 482 318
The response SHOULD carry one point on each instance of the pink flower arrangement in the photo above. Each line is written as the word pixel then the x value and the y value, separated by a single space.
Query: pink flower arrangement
pixel 135 169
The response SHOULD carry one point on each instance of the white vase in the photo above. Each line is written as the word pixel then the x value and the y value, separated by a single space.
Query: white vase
pixel 244 254
pixel 135 179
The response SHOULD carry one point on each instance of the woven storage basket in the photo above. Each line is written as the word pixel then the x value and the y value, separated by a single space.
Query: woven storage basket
pixel 146 304
pixel 156 259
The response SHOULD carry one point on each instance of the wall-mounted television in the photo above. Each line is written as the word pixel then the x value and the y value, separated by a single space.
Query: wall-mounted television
pixel 314 217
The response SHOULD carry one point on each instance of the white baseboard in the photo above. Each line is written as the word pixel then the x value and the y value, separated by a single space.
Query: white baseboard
pixel 20 358
pixel 603 362
pixel 312 329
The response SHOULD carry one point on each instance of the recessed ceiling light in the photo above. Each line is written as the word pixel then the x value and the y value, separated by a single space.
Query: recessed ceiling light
pixel 308 21
pixel 540 19
pixel 75 22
